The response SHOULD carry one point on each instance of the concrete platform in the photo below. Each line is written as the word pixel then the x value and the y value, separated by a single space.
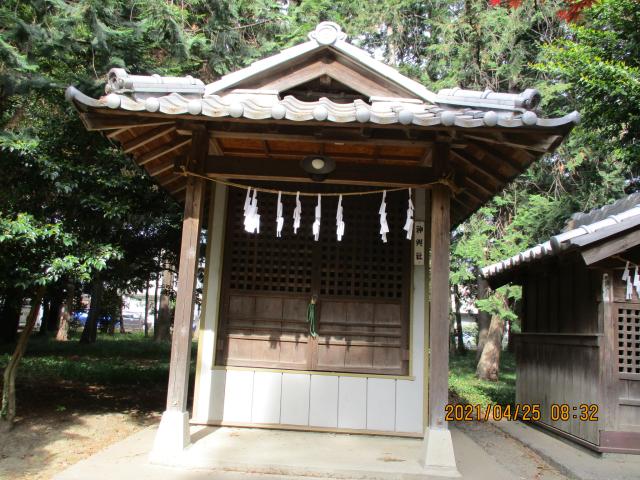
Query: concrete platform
pixel 235 453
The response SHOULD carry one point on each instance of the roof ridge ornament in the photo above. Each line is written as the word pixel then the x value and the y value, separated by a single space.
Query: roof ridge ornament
pixel 327 33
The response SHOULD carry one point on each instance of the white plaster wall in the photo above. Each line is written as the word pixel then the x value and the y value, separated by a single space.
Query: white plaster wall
pixel 317 400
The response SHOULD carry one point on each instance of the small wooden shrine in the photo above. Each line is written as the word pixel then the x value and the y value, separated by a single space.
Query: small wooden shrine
pixel 578 355
pixel 321 119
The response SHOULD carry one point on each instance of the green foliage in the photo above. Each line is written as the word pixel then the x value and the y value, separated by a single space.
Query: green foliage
pixel 113 360
pixel 71 203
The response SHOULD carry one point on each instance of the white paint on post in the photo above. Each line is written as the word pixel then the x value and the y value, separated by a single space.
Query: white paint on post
pixel 203 400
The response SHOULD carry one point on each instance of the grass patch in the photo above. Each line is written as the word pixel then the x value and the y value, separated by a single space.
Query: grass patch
pixel 464 384
pixel 129 359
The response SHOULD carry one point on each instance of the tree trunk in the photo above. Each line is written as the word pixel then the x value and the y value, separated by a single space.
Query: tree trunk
pixel 146 309
pixel 161 332
pixel 10 314
pixel 90 330
pixel 8 409
pixel 489 363
pixel 483 319
pixel 65 314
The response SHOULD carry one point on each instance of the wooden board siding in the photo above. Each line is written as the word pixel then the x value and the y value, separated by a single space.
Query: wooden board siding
pixel 361 284
pixel 558 351
pixel 559 369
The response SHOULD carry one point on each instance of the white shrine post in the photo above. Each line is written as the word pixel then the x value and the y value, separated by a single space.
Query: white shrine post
pixel 173 433
pixel 439 455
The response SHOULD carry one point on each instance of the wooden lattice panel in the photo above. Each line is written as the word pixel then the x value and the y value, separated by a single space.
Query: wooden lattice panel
pixel 361 265
pixel 628 338
pixel 264 262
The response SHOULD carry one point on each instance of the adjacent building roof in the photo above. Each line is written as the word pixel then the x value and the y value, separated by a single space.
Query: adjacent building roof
pixel 605 223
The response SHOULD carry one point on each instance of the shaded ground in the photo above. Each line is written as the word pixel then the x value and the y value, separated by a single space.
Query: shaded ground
pixel 74 400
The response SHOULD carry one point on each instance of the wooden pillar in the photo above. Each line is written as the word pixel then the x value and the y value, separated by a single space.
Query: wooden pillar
pixel 439 311
pixel 181 341
pixel 439 456
pixel 173 433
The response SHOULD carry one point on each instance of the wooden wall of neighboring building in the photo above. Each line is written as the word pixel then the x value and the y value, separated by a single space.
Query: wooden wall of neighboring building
pixel 558 349
pixel 579 345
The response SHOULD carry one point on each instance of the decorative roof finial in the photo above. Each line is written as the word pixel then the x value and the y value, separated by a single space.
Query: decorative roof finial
pixel 326 33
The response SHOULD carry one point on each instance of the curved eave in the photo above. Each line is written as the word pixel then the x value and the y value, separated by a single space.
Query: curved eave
pixel 264 107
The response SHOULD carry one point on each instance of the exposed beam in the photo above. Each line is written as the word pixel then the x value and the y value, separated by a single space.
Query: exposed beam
pixel 300 155
pixel 162 150
pixel 323 136
pixel 290 171
pixel 147 137
pixel 100 122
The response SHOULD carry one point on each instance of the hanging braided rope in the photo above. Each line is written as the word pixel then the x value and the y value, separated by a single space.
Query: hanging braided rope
pixel 311 317
pixel 447 181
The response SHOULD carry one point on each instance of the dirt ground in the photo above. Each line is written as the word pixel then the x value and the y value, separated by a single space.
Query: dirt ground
pixel 62 423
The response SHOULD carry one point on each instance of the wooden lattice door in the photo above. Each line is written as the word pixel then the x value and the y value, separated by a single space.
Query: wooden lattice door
pixel 361 283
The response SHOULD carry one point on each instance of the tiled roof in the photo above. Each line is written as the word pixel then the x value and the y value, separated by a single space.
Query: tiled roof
pixel 190 96
pixel 577 237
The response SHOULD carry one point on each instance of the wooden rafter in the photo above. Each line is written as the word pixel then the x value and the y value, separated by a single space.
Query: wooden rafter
pixel 160 169
pixel 101 122
pixel 510 140
pixel 474 163
pixel 162 150
pixel 147 137
pixel 487 151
